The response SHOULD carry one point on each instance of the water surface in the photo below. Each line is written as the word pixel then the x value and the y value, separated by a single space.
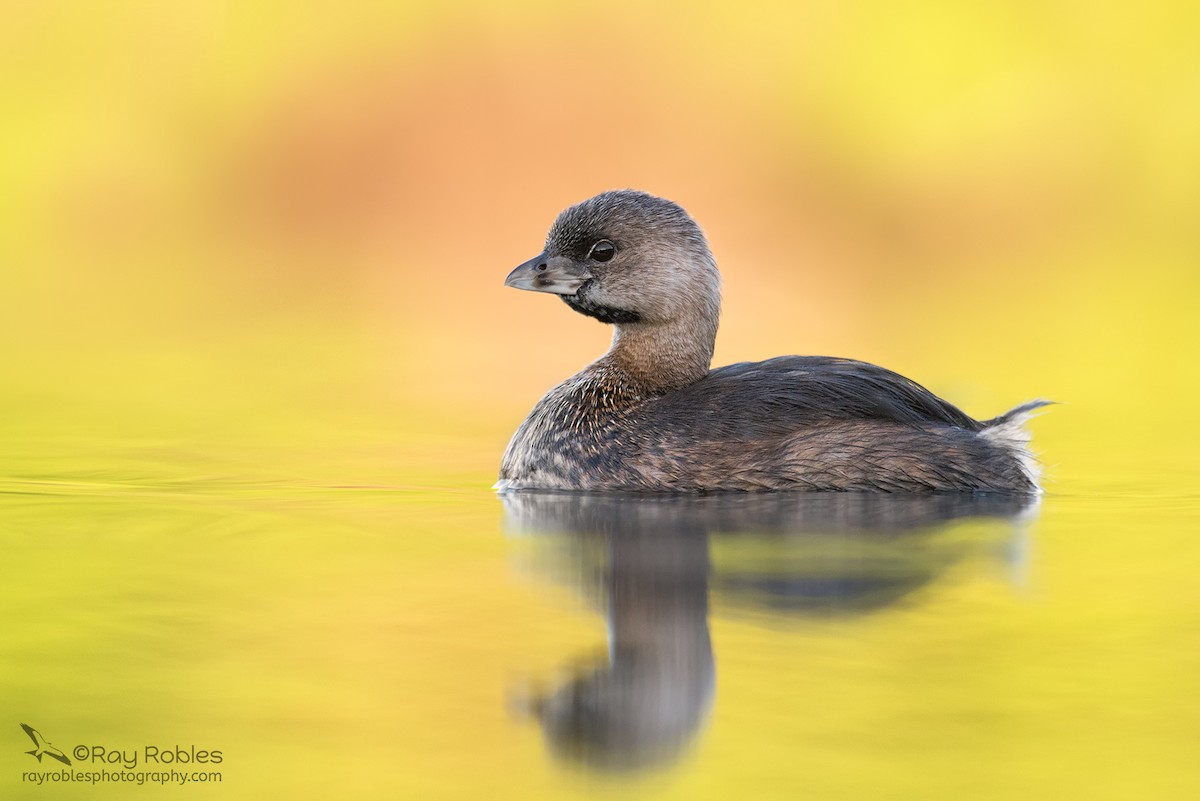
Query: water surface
pixel 439 641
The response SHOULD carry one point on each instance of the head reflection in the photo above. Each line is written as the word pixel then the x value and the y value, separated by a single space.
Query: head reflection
pixel 646 561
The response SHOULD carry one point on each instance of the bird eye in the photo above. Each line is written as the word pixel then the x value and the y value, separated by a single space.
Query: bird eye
pixel 603 250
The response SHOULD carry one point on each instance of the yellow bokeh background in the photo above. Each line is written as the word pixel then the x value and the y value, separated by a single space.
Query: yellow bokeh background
pixel 224 215
pixel 251 265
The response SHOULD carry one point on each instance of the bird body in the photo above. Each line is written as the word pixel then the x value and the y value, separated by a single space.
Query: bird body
pixel 650 415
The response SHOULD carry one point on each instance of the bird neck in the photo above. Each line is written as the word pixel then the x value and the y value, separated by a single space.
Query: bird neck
pixel 661 357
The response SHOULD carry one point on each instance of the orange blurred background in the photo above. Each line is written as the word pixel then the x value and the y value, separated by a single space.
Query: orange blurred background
pixel 255 225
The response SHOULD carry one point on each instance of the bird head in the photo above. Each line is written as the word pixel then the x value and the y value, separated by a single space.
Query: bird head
pixel 627 258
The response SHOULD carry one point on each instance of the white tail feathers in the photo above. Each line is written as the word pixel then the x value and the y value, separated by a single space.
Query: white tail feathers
pixel 1008 431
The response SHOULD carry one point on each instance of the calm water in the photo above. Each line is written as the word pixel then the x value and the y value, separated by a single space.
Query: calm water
pixel 433 640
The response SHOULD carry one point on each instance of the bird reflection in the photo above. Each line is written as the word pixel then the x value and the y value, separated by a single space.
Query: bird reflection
pixel 651 561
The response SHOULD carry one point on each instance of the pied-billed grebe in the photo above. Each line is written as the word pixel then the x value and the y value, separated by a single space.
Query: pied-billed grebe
pixel 650 415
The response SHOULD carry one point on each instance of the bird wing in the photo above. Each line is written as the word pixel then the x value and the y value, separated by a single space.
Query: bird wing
pixel 772 398
pixel 38 740
pixel 51 751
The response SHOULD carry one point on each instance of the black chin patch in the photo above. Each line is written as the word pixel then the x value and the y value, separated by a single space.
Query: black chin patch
pixel 605 314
